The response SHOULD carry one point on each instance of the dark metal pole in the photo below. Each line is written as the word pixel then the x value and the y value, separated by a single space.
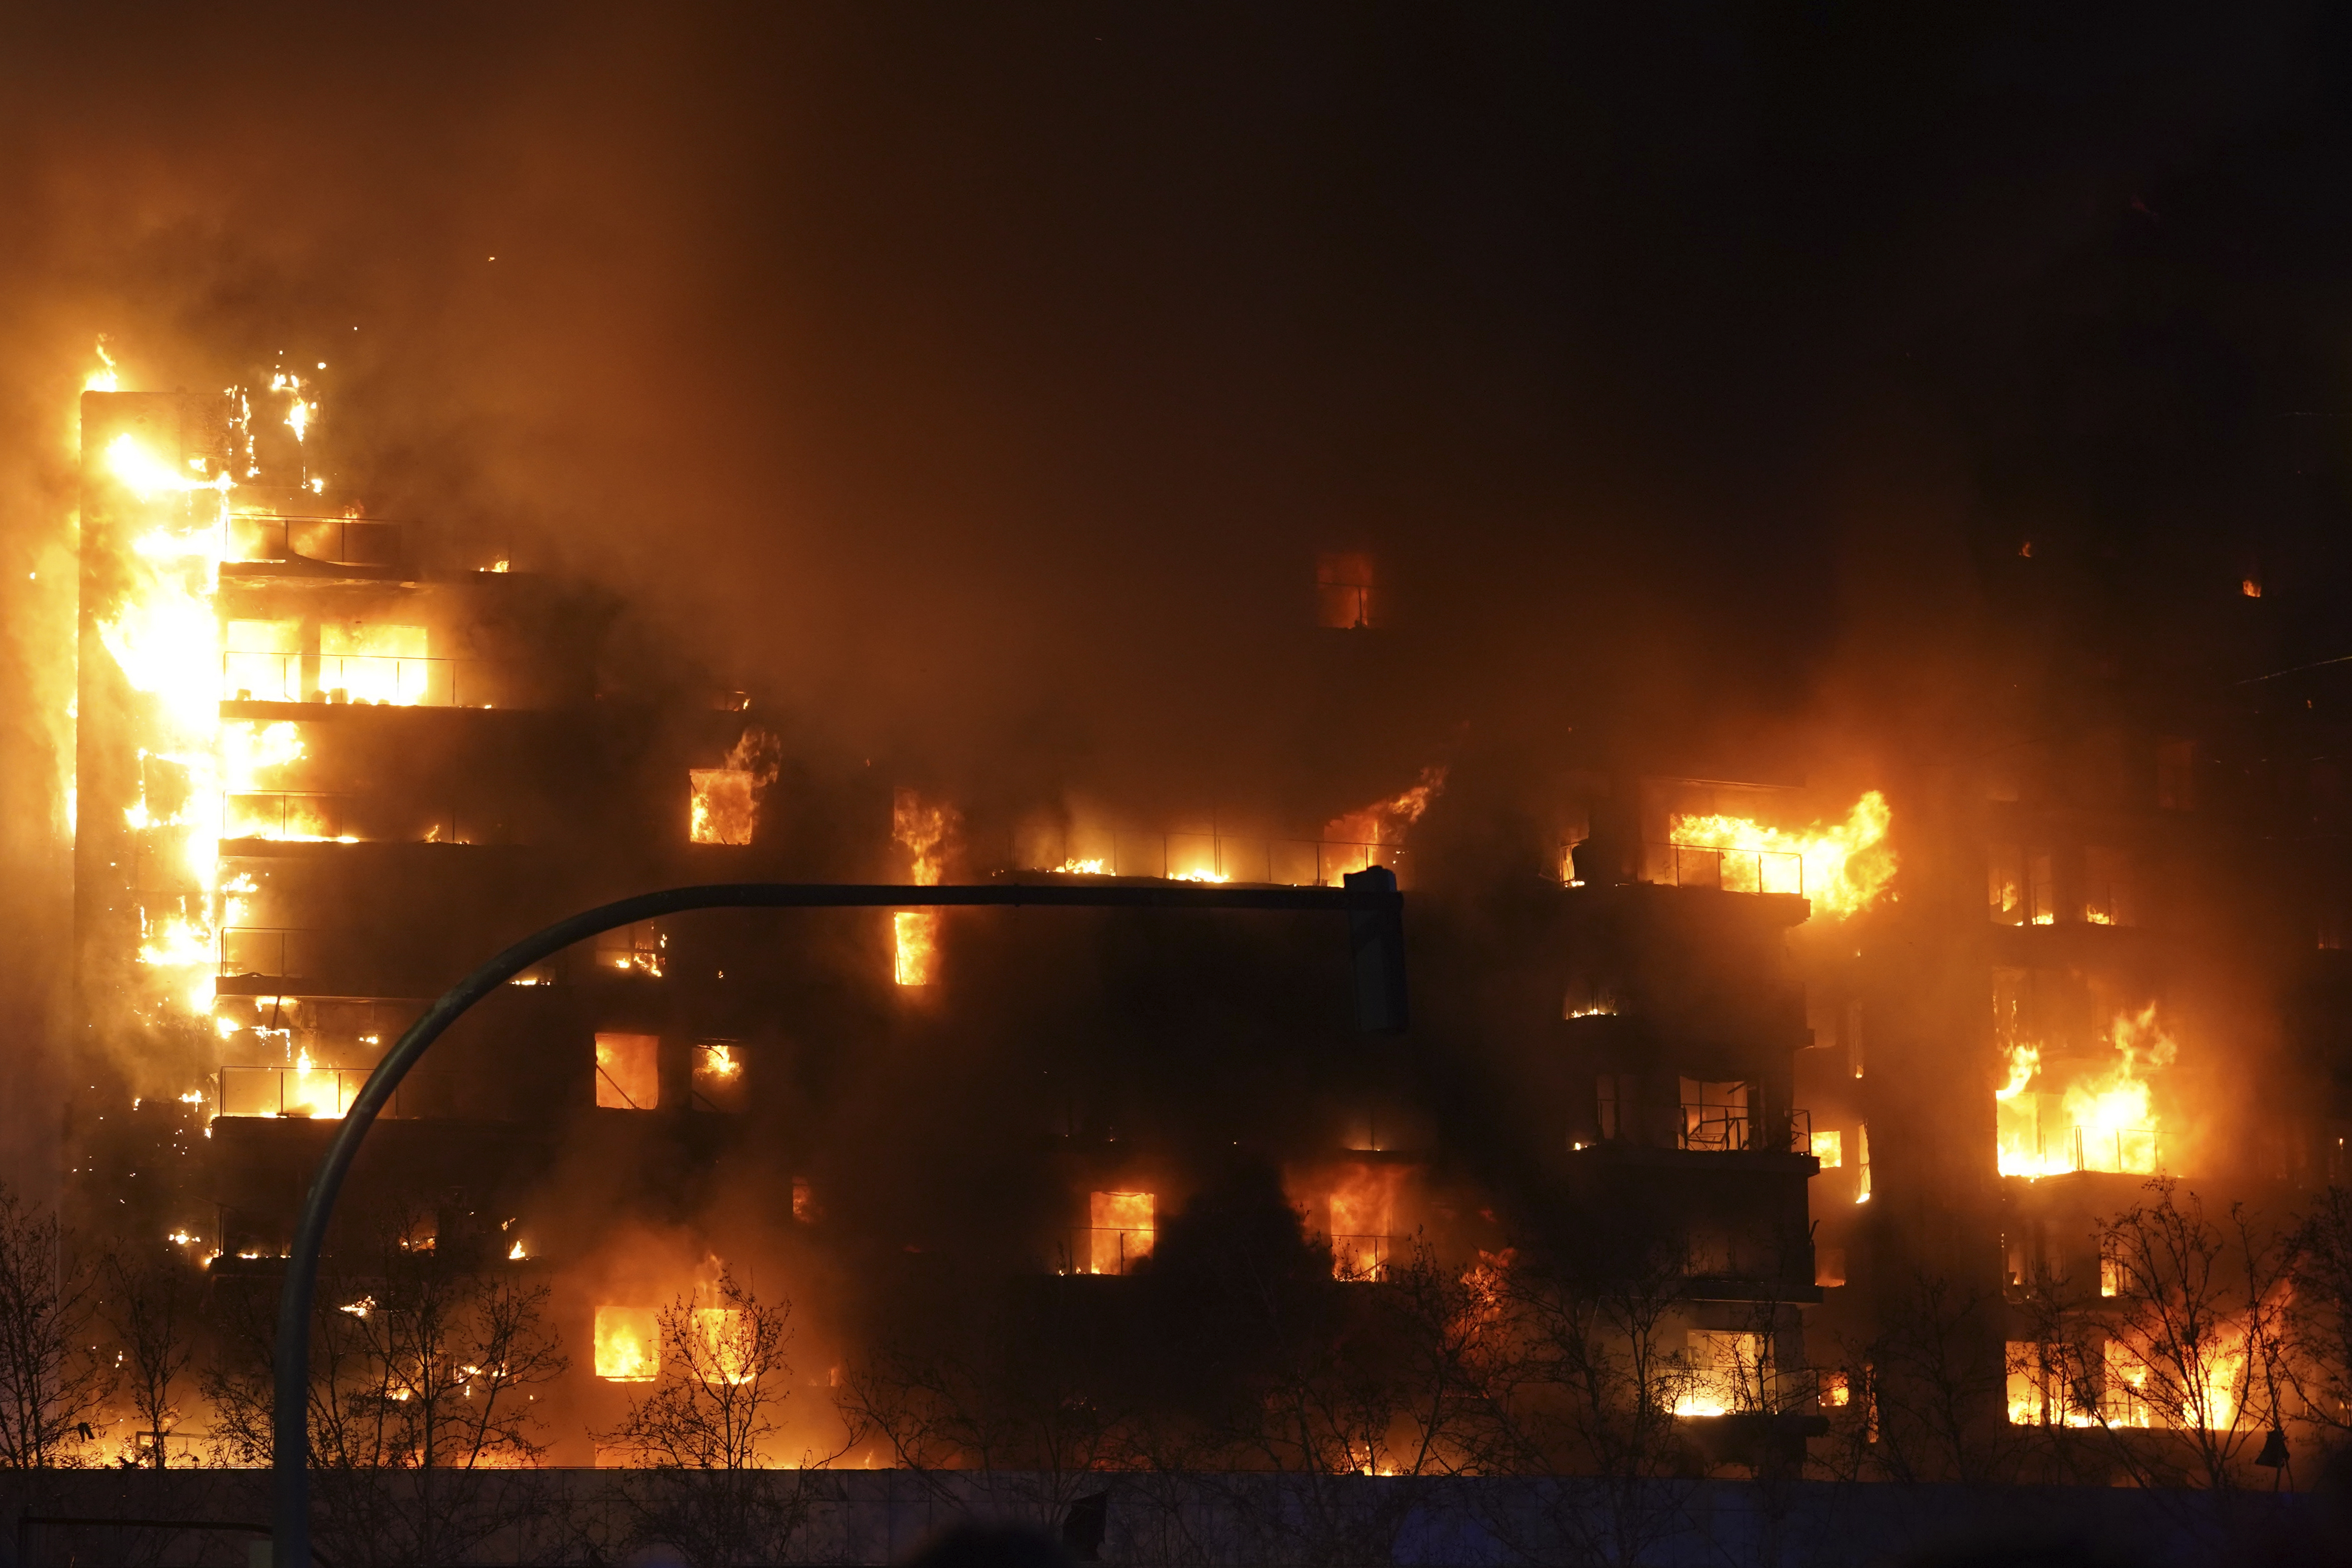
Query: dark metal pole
pixel 290 1447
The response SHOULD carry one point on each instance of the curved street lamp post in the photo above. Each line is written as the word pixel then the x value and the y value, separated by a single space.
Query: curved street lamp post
pixel 1376 940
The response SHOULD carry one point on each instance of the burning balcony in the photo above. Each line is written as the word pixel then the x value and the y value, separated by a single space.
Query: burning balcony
pixel 1119 1235
pixel 1360 1207
pixel 1736 837
pixel 301 1090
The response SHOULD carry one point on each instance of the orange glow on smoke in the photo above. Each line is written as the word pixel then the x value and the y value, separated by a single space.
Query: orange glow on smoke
pixel 2104 1118
pixel 627 1340
pixel 1843 868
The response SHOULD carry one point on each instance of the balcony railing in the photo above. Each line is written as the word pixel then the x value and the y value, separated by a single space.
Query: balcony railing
pixel 338 540
pixel 1732 1129
pixel 298 815
pixel 1732 870
pixel 1361 1257
pixel 275 950
pixel 1216 858
pixel 1102 1249
pixel 316 1093
pixel 398 681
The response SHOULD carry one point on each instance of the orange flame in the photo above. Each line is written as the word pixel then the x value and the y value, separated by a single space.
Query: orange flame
pixel 1843 868
pixel 627 1340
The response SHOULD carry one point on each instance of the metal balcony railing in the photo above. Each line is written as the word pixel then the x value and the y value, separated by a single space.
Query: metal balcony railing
pixel 1730 1129
pixel 337 541
pixel 1361 1257
pixel 1732 870
pixel 1102 1249
pixel 1218 857
pixel 322 1093
pixel 275 950
pixel 398 680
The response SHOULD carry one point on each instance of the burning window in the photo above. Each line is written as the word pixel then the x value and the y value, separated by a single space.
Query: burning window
pixel 726 1346
pixel 1862 1163
pixel 721 809
pixel 1345 597
pixel 1725 1371
pixel 2039 1393
pixel 628 1071
pixel 719 1083
pixel 261 661
pixel 1715 1116
pixel 2078 1114
pixel 923 829
pixel 2022 889
pixel 1362 1209
pixel 301 1090
pixel 363 663
pixel 1829 1148
pixel 1120 1231
pixel 636 949
pixel 2175 774
pixel 805 1205
pixel 723 803
pixel 1829 1269
pixel 628 1342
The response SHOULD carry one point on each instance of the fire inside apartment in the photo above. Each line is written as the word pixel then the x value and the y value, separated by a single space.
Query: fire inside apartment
pixel 1784 1047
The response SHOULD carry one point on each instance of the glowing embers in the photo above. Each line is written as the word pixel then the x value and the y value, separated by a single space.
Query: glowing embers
pixel 1120 1232
pixel 723 803
pixel 628 1344
pixel 2103 1118
pixel 1362 1210
pixel 719 1083
pixel 924 829
pixel 1843 868
pixel 628 1071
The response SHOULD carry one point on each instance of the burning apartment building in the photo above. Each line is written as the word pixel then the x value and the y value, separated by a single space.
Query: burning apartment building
pixel 1754 1062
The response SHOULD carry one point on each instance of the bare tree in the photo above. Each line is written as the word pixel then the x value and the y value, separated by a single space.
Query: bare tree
pixel 1936 1378
pixel 2195 1326
pixel 1589 1394
pixel 150 1303
pixel 50 1382
pixel 724 1374
pixel 425 1350
pixel 2319 1320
